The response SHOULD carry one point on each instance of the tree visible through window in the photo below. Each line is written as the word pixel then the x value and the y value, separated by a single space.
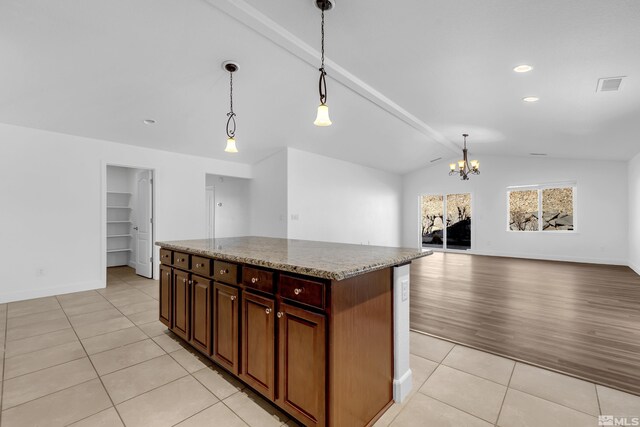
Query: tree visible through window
pixel 547 208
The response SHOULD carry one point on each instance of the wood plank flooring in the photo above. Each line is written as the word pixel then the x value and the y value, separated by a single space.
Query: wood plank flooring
pixel 580 319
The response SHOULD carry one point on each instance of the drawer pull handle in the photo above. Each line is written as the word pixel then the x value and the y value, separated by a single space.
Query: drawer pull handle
pixel 279 314
pixel 191 282
pixel 233 297
pixel 254 280
pixel 267 310
pixel 224 271
pixel 298 291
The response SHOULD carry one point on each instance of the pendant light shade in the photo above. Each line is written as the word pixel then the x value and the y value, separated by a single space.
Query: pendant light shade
pixel 231 67
pixel 231 146
pixel 322 119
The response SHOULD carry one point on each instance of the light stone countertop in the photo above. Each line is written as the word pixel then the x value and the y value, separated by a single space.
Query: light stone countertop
pixel 336 261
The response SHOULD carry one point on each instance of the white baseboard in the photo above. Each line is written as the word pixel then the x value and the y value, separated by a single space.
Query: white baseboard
pixel 402 387
pixel 608 261
pixel 635 268
pixel 132 264
pixel 47 292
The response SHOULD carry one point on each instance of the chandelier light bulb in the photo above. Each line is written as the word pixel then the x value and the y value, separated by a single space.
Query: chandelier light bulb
pixel 452 166
pixel 322 118
pixel 231 146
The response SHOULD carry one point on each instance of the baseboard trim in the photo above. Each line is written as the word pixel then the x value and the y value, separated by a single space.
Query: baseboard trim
pixel 635 268
pixel 50 291
pixel 402 387
pixel 551 257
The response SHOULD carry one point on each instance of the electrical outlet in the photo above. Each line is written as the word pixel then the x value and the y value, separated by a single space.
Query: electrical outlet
pixel 295 217
pixel 405 290
pixel 40 272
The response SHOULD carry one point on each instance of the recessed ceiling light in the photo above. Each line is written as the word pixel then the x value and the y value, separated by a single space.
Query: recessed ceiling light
pixel 530 99
pixel 149 122
pixel 524 68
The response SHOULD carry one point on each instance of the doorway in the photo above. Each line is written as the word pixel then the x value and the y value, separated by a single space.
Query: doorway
pixel 446 221
pixel 129 219
pixel 227 206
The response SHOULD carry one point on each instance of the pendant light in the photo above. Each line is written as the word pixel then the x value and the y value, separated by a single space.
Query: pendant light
pixel 464 168
pixel 322 118
pixel 231 67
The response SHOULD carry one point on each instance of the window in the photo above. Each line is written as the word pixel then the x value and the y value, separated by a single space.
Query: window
pixel 542 207
pixel 450 231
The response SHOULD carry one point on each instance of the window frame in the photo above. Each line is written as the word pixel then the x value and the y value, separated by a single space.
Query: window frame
pixel 444 234
pixel 539 188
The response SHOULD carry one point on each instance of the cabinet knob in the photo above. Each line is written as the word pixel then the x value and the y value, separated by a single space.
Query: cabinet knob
pixel 223 271
pixel 184 280
pixel 279 314
pixel 197 265
pixel 233 297
pixel 254 280
pixel 267 310
pixel 191 282
pixel 298 291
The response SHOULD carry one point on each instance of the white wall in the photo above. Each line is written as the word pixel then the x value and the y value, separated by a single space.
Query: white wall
pixel 337 201
pixel 233 218
pixel 268 190
pixel 634 213
pixel 52 198
pixel 601 214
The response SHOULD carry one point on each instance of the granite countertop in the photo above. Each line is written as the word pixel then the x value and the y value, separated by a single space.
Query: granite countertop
pixel 336 261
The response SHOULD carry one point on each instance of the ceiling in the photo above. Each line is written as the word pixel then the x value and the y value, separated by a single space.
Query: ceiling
pixel 406 78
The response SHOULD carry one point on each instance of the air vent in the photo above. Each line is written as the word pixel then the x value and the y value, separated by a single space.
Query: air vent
pixel 537 154
pixel 609 84
pixel 435 160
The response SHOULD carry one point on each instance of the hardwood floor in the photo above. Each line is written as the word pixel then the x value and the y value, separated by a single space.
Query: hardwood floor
pixel 580 319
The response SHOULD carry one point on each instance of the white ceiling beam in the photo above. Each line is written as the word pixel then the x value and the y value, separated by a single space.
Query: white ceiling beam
pixel 248 15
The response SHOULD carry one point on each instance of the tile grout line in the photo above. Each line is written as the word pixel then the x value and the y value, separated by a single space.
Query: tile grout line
pixel 95 370
pixel 598 400
pixel 505 394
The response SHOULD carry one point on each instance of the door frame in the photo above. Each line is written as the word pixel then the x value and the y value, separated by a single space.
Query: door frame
pixel 444 195
pixel 103 217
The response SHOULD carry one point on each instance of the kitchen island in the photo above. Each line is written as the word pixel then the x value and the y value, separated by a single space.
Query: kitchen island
pixel 320 329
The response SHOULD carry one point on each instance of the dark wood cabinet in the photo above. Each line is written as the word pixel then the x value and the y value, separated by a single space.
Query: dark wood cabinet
pixel 181 304
pixel 258 344
pixel 320 349
pixel 226 305
pixel 201 289
pixel 301 364
pixel 166 305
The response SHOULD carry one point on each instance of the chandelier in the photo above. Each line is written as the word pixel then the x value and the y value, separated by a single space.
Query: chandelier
pixel 464 168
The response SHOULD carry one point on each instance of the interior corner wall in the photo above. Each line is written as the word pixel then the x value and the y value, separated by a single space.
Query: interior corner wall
pixel 268 190
pixel 601 214
pixel 338 201
pixel 232 210
pixel 52 216
pixel 634 213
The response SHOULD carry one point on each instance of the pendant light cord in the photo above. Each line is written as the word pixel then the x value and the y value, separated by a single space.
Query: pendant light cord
pixel 322 84
pixel 231 121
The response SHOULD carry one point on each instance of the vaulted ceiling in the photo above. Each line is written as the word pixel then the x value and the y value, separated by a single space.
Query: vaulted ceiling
pixel 406 78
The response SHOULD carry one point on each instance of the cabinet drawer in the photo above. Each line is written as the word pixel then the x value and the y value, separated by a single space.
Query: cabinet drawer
pixel 225 272
pixel 165 257
pixel 181 260
pixel 256 278
pixel 304 291
pixel 201 266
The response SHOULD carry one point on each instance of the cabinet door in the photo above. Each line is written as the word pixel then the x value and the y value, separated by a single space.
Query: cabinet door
pixel 225 326
pixel 201 313
pixel 258 344
pixel 181 304
pixel 301 364
pixel 165 295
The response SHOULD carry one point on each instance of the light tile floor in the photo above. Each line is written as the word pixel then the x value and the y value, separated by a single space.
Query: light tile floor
pixel 100 358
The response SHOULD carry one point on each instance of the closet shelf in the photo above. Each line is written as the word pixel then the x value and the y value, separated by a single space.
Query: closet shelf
pixel 119 207
pixel 118 192
pixel 110 251
pixel 118 222
pixel 119 235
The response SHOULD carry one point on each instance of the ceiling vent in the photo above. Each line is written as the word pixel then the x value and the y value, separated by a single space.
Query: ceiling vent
pixel 435 160
pixel 609 84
